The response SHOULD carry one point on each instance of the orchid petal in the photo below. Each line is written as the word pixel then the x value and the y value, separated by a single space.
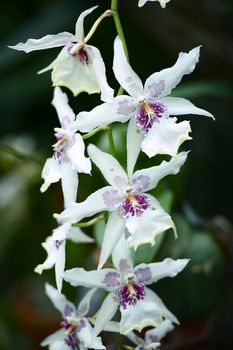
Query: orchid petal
pixel 145 228
pixel 113 231
pixel 60 302
pixel 166 137
pixel 95 203
pixel 60 264
pixel 146 179
pixel 69 182
pixel 76 235
pixel 51 250
pixel 112 326
pixel 85 335
pixel 51 173
pixel 75 153
pixel 121 255
pixel 59 345
pixel 47 42
pixel 134 139
pixel 160 84
pixel 159 332
pixel 71 72
pixel 162 2
pixel 108 279
pixel 79 31
pixel 147 312
pixel 181 106
pixel 84 305
pixel 109 167
pixel 125 75
pixel 54 337
pixel 100 73
pixel 64 111
pixel 119 110
pixel 105 313
pixel 167 268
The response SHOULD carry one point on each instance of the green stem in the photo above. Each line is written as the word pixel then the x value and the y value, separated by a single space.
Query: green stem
pixel 114 8
pixel 90 222
pixel 111 141
pixel 93 132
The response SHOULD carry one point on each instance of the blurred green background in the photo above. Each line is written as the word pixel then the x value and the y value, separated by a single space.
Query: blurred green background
pixel 199 198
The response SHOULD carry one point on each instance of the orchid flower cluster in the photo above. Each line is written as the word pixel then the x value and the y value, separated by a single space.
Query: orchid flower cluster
pixel 134 217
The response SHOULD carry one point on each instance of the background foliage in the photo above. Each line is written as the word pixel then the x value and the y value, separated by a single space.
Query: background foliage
pixel 199 198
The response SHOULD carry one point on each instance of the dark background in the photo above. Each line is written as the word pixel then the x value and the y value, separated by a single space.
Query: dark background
pixel 201 204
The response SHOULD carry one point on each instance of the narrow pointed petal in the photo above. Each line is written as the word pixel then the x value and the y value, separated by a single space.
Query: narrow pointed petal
pixel 64 111
pixel 54 337
pixel 162 2
pixel 86 336
pixel 166 137
pixel 113 232
pixel 161 84
pixel 105 313
pixel 146 179
pixel 47 42
pixel 100 73
pixel 159 332
pixel 145 228
pixel 112 326
pixel 181 106
pixel 134 140
pixel 108 279
pixel 109 167
pixel 50 260
pixel 76 235
pixel 69 182
pixel 60 302
pixel 120 109
pixel 167 268
pixel 79 31
pixel 60 264
pixel 75 153
pixel 98 201
pixel 84 305
pixel 125 75
pixel 51 173
pixel 121 256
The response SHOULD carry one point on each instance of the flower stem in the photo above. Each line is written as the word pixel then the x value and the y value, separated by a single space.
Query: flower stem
pixel 93 132
pixel 90 222
pixel 114 8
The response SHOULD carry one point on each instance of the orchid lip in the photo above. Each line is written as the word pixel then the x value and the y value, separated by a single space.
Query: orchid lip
pixel 134 205
pixel 130 294
pixel 148 114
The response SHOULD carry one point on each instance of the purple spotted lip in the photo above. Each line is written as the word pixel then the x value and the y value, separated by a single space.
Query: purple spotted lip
pixel 134 205
pixel 148 114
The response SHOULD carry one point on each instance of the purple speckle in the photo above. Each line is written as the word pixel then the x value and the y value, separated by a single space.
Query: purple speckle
pixel 141 183
pixel 68 311
pixel 148 114
pixel 83 56
pixel 126 107
pixel 143 274
pixel 153 338
pixel 111 198
pixel 130 294
pixel 65 122
pixel 81 325
pixel 71 335
pixel 112 279
pixel 156 89
pixel 58 243
pixel 123 265
pixel 134 205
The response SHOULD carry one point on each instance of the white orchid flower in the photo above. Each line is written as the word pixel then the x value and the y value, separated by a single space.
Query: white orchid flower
pixel 151 127
pixel 55 245
pixel 76 332
pixel 127 286
pixel 152 337
pixel 163 3
pixel 68 157
pixel 140 213
pixel 79 66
